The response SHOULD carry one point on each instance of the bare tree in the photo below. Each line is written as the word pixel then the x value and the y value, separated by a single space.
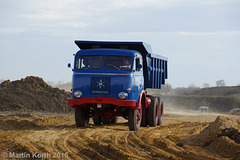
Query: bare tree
pixel 206 85
pixel 191 89
pixel 221 83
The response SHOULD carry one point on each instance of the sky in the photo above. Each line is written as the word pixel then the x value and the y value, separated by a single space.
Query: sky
pixel 201 38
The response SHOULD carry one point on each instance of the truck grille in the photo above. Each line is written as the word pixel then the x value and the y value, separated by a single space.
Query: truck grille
pixel 100 85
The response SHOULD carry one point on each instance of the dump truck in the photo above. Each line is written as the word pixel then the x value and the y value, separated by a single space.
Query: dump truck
pixel 110 79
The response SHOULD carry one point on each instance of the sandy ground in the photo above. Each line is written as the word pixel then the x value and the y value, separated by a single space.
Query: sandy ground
pixel 181 136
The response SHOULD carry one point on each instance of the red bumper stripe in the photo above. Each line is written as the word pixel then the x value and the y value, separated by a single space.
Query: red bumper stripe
pixel 95 100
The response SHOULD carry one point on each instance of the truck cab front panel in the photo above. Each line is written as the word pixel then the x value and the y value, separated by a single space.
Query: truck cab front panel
pixel 106 73
pixel 104 85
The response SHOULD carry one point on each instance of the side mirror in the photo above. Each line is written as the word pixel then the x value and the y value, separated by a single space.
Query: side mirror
pixel 69 66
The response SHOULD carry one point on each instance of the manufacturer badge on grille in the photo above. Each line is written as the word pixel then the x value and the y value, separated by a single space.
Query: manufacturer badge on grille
pixel 100 85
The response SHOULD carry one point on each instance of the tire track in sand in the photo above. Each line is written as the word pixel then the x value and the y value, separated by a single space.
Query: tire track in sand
pixel 59 135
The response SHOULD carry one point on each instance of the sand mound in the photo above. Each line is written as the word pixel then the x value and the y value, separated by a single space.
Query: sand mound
pixel 221 136
pixel 222 126
pixel 32 94
pixel 17 125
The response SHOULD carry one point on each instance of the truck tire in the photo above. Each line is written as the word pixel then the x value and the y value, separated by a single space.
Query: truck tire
pixel 97 120
pixel 104 121
pixel 134 119
pixel 82 117
pixel 153 112
pixel 160 116
pixel 144 122
pixel 112 121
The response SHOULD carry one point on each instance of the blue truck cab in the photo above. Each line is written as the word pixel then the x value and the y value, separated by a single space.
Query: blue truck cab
pixel 110 79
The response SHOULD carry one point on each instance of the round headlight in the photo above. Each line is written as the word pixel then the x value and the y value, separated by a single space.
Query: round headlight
pixel 78 94
pixel 122 95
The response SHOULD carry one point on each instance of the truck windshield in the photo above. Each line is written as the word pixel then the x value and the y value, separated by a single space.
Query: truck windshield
pixel 89 62
pixel 118 62
pixel 107 62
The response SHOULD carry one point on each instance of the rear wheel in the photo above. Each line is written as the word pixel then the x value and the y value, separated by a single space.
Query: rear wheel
pixel 153 112
pixel 144 121
pixel 106 121
pixel 82 117
pixel 160 116
pixel 112 121
pixel 134 119
pixel 97 120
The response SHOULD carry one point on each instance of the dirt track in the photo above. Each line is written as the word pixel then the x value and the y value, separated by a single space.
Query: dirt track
pixel 181 136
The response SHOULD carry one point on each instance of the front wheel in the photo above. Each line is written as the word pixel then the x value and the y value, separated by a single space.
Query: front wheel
pixel 134 119
pixel 82 117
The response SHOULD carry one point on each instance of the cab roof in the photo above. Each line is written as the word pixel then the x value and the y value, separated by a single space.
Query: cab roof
pixel 141 47
pixel 107 51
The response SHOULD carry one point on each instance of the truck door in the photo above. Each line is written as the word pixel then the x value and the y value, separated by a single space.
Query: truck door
pixel 138 77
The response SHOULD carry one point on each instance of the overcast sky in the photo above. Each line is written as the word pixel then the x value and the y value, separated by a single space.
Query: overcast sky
pixel 201 38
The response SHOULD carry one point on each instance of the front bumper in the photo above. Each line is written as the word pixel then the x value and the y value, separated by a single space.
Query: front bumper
pixel 82 103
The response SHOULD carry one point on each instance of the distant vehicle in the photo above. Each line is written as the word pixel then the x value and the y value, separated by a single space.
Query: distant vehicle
pixel 235 110
pixel 201 109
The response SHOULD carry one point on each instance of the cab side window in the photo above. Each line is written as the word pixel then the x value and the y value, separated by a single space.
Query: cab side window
pixel 138 63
